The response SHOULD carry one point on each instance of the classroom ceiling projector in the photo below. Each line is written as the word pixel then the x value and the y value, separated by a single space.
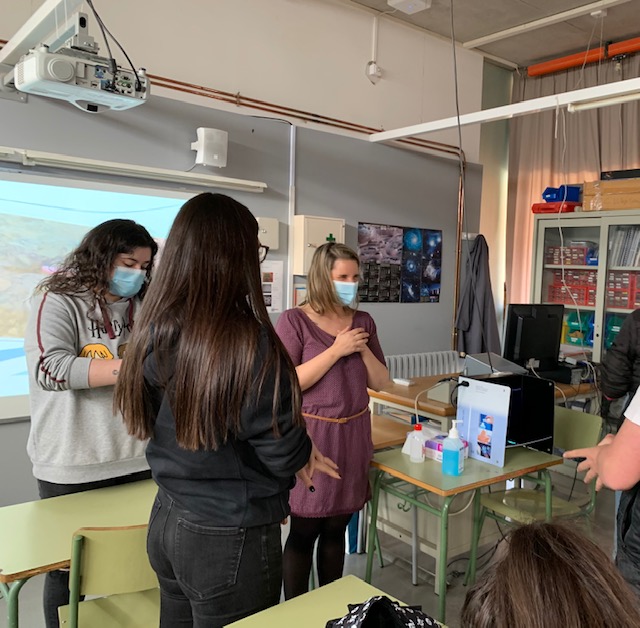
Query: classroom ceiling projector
pixel 86 81
pixel 53 55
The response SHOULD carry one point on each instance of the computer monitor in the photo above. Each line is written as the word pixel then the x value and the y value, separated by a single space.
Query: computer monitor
pixel 532 335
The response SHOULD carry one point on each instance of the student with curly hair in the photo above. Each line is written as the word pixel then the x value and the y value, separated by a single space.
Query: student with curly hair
pixel 79 325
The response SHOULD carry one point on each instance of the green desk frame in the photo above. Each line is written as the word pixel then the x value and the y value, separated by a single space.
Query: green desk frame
pixel 37 535
pixel 407 480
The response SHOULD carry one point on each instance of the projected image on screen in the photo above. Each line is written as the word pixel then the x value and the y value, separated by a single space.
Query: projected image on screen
pixel 41 224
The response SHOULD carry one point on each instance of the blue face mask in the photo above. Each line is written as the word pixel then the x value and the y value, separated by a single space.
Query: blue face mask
pixel 346 291
pixel 126 282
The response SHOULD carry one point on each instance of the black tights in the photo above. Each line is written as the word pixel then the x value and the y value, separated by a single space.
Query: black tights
pixel 298 552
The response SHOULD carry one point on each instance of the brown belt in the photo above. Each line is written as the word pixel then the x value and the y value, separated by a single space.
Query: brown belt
pixel 343 419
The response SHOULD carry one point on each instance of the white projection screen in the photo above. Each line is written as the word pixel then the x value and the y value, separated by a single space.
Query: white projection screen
pixel 41 221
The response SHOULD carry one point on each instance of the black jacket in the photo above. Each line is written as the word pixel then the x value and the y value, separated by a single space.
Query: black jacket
pixel 246 481
pixel 476 317
pixel 620 370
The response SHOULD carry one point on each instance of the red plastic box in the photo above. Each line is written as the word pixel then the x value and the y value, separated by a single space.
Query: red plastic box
pixel 557 207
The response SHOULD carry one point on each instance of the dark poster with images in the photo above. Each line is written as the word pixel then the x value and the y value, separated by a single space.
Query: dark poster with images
pixel 399 264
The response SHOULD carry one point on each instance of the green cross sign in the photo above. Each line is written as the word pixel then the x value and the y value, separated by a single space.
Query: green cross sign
pixel 330 238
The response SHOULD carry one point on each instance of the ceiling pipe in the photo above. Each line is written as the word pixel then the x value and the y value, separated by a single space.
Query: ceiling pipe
pixel 430 145
pixel 610 51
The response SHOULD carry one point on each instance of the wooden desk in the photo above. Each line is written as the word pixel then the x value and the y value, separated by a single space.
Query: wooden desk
pixel 403 398
pixel 36 536
pixel 387 432
pixel 315 608
pixel 406 479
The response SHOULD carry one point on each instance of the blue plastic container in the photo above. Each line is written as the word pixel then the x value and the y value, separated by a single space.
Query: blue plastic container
pixel 563 193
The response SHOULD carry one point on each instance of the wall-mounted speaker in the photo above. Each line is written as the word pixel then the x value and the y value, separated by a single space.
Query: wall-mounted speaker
pixel 211 147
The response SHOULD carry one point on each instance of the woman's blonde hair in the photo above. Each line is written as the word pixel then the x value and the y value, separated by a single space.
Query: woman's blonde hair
pixel 321 294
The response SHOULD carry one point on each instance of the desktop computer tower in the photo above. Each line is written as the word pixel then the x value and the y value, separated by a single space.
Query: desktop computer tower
pixel 531 409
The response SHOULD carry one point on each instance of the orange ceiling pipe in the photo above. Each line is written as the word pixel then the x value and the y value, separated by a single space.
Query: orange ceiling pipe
pixel 628 46
pixel 590 56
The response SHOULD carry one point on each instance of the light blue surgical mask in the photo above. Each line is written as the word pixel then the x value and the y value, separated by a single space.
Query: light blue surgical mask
pixel 346 291
pixel 126 282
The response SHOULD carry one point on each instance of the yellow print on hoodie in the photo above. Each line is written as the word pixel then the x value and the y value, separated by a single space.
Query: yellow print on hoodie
pixel 96 351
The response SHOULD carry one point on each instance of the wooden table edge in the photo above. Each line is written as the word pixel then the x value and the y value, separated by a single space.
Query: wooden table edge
pixel 36 571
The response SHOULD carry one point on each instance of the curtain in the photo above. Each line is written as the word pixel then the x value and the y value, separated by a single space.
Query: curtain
pixel 553 148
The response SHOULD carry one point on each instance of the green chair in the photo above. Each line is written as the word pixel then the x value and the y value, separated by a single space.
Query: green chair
pixel 111 563
pixel 572 429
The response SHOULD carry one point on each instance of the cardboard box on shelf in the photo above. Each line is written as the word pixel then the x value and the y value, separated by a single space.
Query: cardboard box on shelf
pixel 611 195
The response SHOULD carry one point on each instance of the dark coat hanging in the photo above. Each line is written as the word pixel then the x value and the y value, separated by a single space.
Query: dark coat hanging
pixel 476 317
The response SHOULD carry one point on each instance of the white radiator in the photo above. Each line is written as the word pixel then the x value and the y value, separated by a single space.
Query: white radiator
pixel 422 364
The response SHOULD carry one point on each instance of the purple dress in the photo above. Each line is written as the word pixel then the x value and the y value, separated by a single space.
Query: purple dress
pixel 342 392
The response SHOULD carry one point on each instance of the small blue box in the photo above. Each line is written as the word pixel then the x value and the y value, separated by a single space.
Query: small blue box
pixel 563 193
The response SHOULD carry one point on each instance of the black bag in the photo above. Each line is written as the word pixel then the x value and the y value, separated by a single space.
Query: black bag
pixel 381 612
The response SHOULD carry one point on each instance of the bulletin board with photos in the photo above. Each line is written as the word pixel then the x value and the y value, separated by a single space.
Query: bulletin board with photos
pixel 399 264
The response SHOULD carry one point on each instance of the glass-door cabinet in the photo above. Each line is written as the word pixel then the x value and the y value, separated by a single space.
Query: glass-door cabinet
pixel 590 262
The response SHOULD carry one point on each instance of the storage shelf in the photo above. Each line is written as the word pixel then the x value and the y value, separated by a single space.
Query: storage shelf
pixel 573 267
pixel 571 305
pixel 612 285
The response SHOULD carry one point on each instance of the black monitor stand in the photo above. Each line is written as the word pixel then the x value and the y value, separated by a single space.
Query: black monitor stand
pixel 531 410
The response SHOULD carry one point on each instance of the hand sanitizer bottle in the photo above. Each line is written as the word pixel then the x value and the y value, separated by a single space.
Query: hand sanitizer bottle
pixel 416 444
pixel 453 452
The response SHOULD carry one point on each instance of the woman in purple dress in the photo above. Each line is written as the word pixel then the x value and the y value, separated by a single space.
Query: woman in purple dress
pixel 337 356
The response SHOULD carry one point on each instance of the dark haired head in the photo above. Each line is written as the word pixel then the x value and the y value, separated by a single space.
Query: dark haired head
pixel 550 576
pixel 89 266
pixel 206 308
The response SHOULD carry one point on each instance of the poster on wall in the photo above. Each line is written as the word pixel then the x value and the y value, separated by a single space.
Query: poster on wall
pixel 272 273
pixel 399 264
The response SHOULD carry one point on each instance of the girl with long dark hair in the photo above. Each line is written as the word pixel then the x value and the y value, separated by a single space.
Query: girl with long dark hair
pixel 208 381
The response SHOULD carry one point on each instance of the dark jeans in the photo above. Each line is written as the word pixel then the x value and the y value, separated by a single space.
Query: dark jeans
pixel 211 576
pixel 628 529
pixel 56 583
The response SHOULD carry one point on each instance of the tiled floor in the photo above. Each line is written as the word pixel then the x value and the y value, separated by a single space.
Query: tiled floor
pixel 394 578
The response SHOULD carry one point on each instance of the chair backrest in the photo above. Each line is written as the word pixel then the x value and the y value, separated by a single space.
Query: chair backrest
pixel 112 560
pixel 574 429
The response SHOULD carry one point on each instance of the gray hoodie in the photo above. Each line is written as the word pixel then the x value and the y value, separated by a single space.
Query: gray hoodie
pixel 75 436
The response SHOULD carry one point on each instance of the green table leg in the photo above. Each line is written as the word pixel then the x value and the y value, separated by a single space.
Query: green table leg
pixel 547 495
pixel 10 593
pixel 470 576
pixel 371 540
pixel 444 546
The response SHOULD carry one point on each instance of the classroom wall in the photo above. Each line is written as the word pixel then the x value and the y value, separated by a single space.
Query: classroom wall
pixel 334 175
pixel 341 177
pixel 18 483
pixel 306 54
pixel 494 155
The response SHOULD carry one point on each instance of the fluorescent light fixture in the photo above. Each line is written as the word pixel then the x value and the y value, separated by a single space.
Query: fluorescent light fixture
pixel 194 179
pixel 589 97
pixel 409 6
pixel 602 102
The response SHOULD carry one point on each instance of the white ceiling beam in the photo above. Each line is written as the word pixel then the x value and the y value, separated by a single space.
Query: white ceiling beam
pixel 585 9
pixel 49 17
pixel 601 96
